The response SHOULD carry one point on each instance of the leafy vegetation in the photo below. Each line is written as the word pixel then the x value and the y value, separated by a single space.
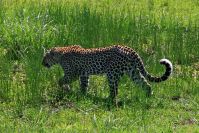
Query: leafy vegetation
pixel 154 28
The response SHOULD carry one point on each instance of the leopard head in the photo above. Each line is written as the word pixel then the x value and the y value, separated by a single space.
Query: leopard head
pixel 51 57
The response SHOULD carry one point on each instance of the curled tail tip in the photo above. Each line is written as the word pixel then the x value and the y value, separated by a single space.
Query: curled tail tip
pixel 167 63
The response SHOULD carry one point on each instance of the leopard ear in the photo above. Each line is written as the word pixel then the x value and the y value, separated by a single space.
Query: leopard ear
pixel 53 49
pixel 44 49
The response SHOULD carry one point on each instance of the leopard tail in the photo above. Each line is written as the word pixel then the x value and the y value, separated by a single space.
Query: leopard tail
pixel 124 50
pixel 165 76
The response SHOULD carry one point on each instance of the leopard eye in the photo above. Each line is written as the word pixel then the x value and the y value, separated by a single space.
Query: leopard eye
pixel 52 53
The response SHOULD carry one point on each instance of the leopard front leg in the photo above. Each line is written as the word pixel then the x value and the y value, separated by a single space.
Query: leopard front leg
pixel 84 78
pixel 137 77
pixel 63 89
pixel 64 83
pixel 113 79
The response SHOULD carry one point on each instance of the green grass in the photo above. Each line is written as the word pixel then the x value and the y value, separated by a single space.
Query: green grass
pixel 154 28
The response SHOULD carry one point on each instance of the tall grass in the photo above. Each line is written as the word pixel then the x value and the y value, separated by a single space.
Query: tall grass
pixel 155 29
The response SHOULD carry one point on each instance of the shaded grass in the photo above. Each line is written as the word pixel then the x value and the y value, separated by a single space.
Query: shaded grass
pixel 158 29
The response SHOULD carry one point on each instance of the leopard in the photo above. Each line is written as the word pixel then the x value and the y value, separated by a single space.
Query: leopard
pixel 113 61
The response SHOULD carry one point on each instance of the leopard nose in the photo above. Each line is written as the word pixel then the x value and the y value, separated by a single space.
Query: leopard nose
pixel 45 64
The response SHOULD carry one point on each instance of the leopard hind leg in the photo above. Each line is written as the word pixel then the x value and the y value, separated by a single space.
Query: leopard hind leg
pixel 113 79
pixel 84 81
pixel 140 80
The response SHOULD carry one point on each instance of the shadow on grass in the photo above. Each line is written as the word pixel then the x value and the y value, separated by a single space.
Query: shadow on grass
pixel 75 99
